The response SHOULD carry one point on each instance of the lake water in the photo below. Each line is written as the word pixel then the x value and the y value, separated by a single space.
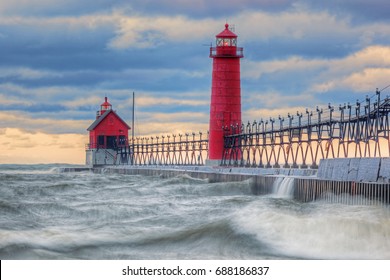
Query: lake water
pixel 48 214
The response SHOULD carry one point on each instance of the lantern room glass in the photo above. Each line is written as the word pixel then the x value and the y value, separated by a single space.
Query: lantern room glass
pixel 226 42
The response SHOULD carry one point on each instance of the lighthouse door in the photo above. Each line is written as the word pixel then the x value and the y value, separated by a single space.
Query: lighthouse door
pixel 111 142
pixel 100 141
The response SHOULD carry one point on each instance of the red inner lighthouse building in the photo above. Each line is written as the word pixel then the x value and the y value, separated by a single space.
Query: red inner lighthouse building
pixel 225 106
pixel 106 134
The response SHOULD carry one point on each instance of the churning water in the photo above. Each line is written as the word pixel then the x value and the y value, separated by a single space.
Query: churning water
pixel 47 214
pixel 283 187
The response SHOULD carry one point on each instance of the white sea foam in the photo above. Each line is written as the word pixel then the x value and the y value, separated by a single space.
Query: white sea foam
pixel 319 231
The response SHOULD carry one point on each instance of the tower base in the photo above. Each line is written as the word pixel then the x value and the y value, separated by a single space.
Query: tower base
pixel 95 157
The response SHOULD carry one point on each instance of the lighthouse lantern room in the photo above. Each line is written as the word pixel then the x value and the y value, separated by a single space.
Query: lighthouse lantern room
pixel 106 134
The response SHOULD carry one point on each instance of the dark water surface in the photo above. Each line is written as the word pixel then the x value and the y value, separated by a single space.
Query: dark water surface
pixel 47 214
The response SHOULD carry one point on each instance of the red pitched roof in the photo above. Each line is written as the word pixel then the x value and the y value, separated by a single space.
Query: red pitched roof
pixel 102 117
pixel 226 33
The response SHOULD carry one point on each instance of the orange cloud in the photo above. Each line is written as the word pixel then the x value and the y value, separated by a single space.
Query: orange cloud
pixel 18 146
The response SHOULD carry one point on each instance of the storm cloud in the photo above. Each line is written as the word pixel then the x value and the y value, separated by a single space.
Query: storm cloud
pixel 58 59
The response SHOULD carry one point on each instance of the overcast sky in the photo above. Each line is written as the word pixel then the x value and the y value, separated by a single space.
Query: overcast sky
pixel 59 58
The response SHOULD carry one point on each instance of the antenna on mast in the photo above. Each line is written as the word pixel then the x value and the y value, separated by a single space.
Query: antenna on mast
pixel 132 118
pixel 132 131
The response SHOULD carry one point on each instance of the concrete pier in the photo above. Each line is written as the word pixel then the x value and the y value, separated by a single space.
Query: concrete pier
pixel 355 169
pixel 261 180
pixel 347 192
pixel 350 181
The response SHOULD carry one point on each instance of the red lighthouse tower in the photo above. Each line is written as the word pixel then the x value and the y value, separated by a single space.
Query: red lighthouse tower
pixel 225 107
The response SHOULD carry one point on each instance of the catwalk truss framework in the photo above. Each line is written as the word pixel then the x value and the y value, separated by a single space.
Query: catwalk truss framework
pixel 301 140
pixel 175 149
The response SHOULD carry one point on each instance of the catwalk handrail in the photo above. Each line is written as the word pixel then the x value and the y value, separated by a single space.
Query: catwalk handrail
pixel 175 149
pixel 299 140
pixel 304 138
